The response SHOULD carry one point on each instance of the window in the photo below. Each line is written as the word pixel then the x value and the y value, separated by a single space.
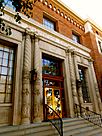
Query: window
pixel 100 46
pixel 8 3
pixel 51 66
pixel 6 73
pixel 82 74
pixel 76 38
pixel 49 23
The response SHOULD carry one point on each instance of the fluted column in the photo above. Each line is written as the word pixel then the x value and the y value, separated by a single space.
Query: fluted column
pixel 79 89
pixel 38 107
pixel 72 76
pixel 26 90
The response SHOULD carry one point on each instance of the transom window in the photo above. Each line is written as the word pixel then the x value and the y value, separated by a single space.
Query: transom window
pixel 6 73
pixel 82 74
pixel 76 38
pixel 48 23
pixel 51 66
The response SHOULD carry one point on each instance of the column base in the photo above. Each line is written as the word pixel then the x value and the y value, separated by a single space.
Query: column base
pixel 25 121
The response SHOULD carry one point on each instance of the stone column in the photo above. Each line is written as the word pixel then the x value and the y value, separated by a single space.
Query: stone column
pixel 79 89
pixel 38 106
pixel 26 90
pixel 96 86
pixel 72 75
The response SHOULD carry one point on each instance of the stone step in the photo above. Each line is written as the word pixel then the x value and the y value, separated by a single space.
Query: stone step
pixel 71 127
pixel 38 129
pixel 80 127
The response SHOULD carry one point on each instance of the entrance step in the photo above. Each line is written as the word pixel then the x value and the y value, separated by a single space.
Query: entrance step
pixel 36 129
pixel 80 127
pixel 71 127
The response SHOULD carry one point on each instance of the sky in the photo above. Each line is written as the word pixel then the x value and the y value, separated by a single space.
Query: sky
pixel 87 9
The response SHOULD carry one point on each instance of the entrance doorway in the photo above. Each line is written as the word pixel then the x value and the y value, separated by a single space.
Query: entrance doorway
pixel 53 85
pixel 53 100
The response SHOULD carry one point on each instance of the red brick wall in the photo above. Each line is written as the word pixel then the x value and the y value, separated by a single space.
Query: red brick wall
pixel 63 26
pixel 90 41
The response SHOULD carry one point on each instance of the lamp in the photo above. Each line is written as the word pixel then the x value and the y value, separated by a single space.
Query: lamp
pixel 33 74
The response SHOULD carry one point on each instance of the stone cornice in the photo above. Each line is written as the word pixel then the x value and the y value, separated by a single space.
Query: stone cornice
pixel 36 28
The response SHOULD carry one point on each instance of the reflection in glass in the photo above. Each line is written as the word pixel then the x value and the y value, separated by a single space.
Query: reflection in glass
pixel 1 53
pixel 10 63
pixel 2 88
pixel 4 70
pixel 8 97
pixel 6 73
pixel 9 80
pixel 2 79
pixel 50 67
pixel 5 62
pixel 0 61
pixel 10 71
pixel 52 99
pixel 5 55
pixel 9 87
pixel 2 96
pixel 11 56
pixel 82 73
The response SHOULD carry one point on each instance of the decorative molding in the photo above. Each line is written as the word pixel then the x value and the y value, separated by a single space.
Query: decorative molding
pixel 61 13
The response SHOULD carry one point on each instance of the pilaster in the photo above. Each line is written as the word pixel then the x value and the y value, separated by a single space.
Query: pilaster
pixel 26 90
pixel 72 76
pixel 37 92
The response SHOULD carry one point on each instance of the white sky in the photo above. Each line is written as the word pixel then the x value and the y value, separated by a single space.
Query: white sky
pixel 86 9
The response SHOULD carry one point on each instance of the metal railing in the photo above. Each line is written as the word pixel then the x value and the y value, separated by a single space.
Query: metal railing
pixel 91 116
pixel 56 122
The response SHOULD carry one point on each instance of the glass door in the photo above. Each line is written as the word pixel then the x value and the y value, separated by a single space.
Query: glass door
pixel 53 100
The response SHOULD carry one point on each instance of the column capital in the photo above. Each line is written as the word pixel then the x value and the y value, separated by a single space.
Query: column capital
pixel 90 60
pixel 69 50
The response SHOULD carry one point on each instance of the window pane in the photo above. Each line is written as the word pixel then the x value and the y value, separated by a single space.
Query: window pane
pixel 2 79
pixel 49 23
pixel 8 98
pixel 75 38
pixel 5 62
pixel 2 96
pixel 50 67
pixel 6 73
pixel 11 56
pixel 1 53
pixel 5 55
pixel 2 87
pixel 4 70
pixel 10 63
pixel 84 87
pixel 9 88
pixel 9 80
pixel 10 71
pixel 0 61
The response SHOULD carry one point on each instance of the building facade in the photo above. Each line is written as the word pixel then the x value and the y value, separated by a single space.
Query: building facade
pixel 47 60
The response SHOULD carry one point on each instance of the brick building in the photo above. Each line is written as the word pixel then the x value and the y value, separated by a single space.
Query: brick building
pixel 54 59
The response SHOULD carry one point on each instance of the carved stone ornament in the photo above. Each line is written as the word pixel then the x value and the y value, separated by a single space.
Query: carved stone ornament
pixel 26 91
pixel 26 111
pixel 36 91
